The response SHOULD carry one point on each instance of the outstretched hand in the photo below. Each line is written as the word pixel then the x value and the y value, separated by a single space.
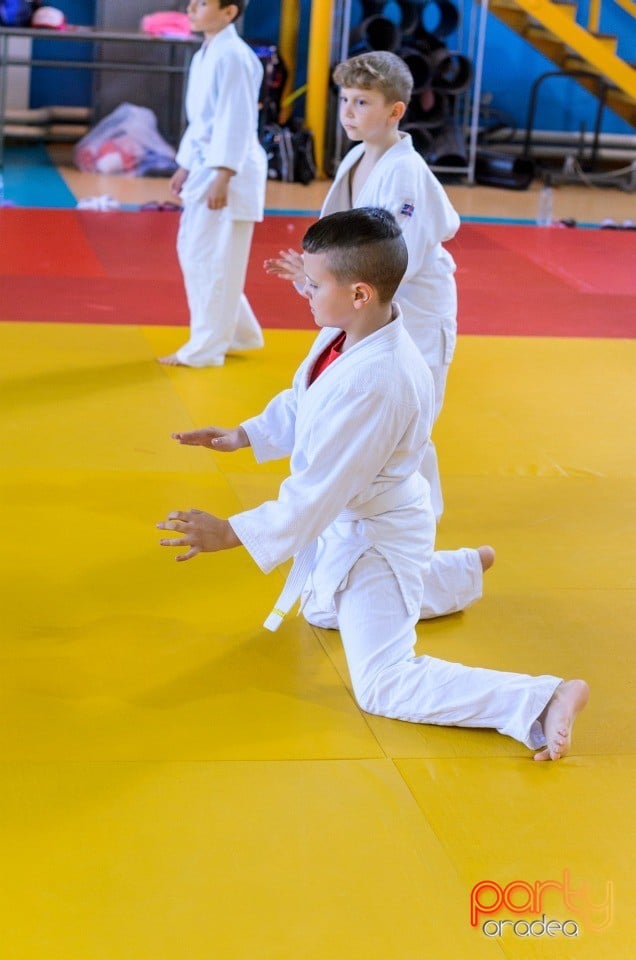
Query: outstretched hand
pixel 288 266
pixel 214 438
pixel 199 531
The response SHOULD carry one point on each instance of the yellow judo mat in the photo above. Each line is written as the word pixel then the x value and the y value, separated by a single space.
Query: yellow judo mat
pixel 180 784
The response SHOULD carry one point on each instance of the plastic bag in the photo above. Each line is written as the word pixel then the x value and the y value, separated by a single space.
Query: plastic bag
pixel 127 141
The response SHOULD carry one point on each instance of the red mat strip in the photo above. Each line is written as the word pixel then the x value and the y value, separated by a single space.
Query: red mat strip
pixel 87 267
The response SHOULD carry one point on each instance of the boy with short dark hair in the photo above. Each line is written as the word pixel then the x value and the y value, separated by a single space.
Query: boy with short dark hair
pixel 355 512
pixel 385 170
pixel 221 180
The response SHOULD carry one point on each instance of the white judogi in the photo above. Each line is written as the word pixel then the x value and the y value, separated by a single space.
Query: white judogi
pixel 214 245
pixel 355 504
pixel 401 182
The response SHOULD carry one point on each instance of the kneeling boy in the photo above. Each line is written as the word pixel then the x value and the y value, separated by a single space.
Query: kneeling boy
pixel 356 514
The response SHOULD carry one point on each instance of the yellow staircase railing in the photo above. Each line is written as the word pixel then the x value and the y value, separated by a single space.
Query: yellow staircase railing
pixel 552 28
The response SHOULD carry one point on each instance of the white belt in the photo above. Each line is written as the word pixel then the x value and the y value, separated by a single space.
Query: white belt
pixel 396 496
pixel 301 568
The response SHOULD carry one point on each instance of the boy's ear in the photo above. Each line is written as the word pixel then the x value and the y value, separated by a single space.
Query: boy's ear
pixel 397 111
pixel 363 293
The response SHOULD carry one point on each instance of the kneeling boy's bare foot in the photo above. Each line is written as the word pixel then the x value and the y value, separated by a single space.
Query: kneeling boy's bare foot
pixel 171 360
pixel 487 557
pixel 558 718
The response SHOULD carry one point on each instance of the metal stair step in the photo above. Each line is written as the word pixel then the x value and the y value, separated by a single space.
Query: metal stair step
pixel 507 7
pixel 510 13
pixel 546 42
pixel 608 40
pixel 574 61
pixel 569 9
pixel 615 98
pixel 557 50
pixel 622 104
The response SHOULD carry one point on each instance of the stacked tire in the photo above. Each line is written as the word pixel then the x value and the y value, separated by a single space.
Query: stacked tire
pixel 440 75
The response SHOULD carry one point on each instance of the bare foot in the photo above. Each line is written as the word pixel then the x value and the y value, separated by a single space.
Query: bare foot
pixel 487 557
pixel 558 718
pixel 171 360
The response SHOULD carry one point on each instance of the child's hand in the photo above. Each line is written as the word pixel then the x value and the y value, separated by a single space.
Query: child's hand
pixel 177 180
pixel 219 189
pixel 289 266
pixel 214 438
pixel 201 532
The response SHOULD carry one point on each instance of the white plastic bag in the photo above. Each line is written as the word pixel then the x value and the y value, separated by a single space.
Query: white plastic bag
pixel 127 141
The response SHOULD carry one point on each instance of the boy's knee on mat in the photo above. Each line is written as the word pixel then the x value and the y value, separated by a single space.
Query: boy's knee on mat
pixel 369 700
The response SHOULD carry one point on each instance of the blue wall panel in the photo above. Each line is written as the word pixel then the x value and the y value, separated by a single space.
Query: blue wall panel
pixel 64 87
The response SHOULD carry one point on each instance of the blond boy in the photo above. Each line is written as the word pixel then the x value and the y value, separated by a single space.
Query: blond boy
pixel 384 170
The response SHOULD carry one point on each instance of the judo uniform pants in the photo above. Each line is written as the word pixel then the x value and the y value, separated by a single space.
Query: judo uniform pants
pixel 213 252
pixel 438 354
pixel 378 636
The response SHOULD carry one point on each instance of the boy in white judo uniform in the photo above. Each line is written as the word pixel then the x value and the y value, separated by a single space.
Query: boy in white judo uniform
pixel 221 180
pixel 385 170
pixel 355 512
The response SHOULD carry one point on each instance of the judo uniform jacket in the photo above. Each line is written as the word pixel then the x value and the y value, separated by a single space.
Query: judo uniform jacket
pixel 222 111
pixel 402 182
pixel 214 245
pixel 356 505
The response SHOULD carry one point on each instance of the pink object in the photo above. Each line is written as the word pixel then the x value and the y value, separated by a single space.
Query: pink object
pixel 166 24
pixel 49 17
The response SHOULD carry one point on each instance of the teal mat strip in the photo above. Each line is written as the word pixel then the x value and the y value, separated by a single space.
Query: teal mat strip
pixel 31 180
